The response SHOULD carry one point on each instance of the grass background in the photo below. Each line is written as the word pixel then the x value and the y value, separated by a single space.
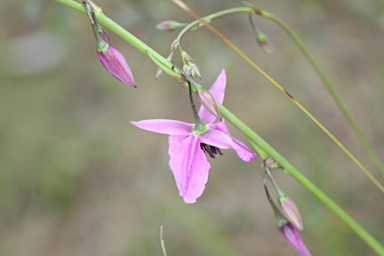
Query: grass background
pixel 77 179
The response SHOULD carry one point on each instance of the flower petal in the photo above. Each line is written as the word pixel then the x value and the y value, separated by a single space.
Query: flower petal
pixel 165 126
pixel 217 90
pixel 218 87
pixel 189 166
pixel 241 149
pixel 292 236
pixel 216 138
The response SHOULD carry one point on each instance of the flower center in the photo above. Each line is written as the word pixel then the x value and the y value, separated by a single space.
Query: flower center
pixel 211 150
pixel 200 128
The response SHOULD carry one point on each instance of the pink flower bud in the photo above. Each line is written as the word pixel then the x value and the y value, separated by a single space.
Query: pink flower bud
pixel 292 236
pixel 207 100
pixel 291 212
pixel 115 63
pixel 170 25
pixel 110 57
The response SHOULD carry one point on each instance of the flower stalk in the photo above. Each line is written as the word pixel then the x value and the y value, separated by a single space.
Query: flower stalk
pixel 287 205
pixel 261 38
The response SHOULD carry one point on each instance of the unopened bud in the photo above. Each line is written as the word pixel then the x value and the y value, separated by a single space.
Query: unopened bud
pixel 195 71
pixel 187 70
pixel 287 229
pixel 159 72
pixel 104 35
pixel 264 42
pixel 94 7
pixel 170 25
pixel 115 63
pixel 186 56
pixel 292 236
pixel 207 100
pixel 290 211
pixel 169 71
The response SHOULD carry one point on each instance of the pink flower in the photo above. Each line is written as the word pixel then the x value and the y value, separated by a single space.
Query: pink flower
pixel 292 236
pixel 187 145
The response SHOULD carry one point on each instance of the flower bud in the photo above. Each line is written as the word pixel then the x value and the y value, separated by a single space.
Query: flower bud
pixel 186 56
pixel 170 25
pixel 290 211
pixel 104 35
pixel 187 70
pixel 115 63
pixel 207 100
pixel 159 72
pixel 195 71
pixel 287 229
pixel 264 42
pixel 292 236
pixel 169 71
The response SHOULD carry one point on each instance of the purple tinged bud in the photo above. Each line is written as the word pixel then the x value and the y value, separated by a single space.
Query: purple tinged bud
pixel 291 212
pixel 186 56
pixel 264 42
pixel 115 63
pixel 170 25
pixel 292 236
pixel 94 7
pixel 208 101
pixel 104 35
pixel 288 230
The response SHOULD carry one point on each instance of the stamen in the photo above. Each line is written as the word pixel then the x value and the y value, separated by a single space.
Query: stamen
pixel 211 150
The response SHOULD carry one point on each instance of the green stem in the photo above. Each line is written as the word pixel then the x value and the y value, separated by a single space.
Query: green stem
pixel 367 237
pixel 211 17
pixel 164 63
pixel 330 87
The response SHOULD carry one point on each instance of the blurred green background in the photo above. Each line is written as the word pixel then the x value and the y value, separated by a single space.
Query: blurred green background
pixel 77 179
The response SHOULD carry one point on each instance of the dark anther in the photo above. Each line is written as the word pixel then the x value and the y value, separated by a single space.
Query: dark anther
pixel 211 150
